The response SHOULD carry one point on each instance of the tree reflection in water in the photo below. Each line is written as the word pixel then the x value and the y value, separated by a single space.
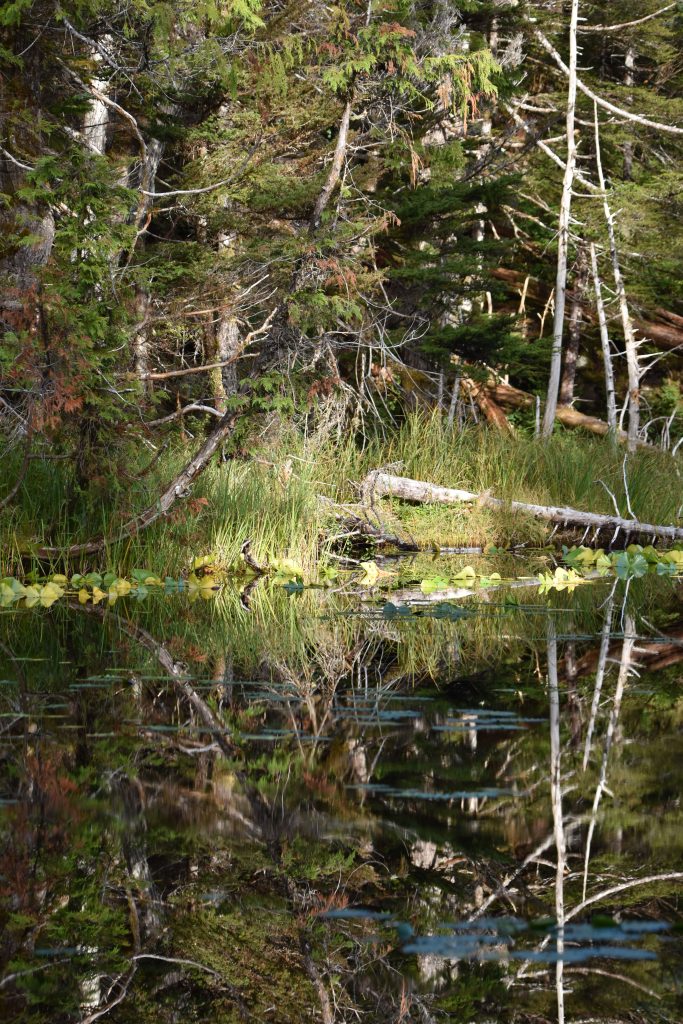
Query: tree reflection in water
pixel 340 816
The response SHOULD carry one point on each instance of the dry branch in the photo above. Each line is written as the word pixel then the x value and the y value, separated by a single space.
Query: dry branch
pixel 377 484
pixel 335 169
pixel 602 29
pixel 178 488
pixel 488 405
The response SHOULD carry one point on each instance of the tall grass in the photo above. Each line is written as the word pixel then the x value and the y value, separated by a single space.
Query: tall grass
pixel 273 499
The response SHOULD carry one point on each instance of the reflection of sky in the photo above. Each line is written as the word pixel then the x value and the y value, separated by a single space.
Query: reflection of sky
pixel 511 935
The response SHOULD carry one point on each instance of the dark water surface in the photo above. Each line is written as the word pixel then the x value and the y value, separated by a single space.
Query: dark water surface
pixel 328 806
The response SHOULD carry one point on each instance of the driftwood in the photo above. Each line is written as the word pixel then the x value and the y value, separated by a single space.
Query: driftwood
pixel 378 484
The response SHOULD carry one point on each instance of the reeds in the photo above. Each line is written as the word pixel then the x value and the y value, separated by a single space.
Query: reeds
pixel 273 498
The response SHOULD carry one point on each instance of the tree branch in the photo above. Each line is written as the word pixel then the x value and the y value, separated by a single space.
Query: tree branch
pixel 629 115
pixel 627 24
pixel 181 412
pixel 335 170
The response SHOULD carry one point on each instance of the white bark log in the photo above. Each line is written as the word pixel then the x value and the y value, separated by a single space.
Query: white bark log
pixel 377 484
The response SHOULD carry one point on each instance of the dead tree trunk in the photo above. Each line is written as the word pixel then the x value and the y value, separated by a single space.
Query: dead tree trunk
pixel 228 347
pixel 563 232
pixel 571 354
pixel 629 79
pixel 605 345
pixel 629 334
pixel 141 340
pixel 377 484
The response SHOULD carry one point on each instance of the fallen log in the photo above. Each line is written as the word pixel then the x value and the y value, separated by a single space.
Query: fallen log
pixel 507 397
pixel 665 332
pixel 378 484
pixel 480 394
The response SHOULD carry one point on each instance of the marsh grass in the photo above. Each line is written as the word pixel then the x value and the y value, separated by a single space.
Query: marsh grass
pixel 273 498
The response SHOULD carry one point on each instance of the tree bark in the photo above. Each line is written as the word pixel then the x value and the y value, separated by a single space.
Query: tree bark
pixel 377 484
pixel 571 354
pixel 563 233
pixel 228 348
pixel 605 345
pixel 629 334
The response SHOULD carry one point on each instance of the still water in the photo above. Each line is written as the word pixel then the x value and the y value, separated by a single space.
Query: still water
pixel 335 806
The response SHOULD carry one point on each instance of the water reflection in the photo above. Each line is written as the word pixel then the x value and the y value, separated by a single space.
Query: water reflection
pixel 308 810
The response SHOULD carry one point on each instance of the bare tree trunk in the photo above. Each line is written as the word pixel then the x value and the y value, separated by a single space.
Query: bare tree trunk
pixel 599 678
pixel 141 339
pixel 629 334
pixel 563 232
pixel 455 394
pixel 96 120
pixel 143 215
pixel 575 321
pixel 227 349
pixel 629 79
pixel 624 668
pixel 335 170
pixel 605 345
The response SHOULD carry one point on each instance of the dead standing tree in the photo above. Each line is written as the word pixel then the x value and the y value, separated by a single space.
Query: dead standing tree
pixel 575 84
pixel 563 231
pixel 631 345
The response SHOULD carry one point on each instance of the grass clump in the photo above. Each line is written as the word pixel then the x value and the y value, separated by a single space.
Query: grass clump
pixel 273 498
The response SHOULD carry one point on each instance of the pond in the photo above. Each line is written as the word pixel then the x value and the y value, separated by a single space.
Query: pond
pixel 280 805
